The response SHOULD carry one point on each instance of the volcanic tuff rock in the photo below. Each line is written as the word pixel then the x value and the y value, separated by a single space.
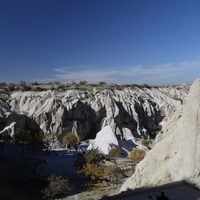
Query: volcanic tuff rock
pixel 129 111
pixel 176 155
pixel 7 116
pixel 104 141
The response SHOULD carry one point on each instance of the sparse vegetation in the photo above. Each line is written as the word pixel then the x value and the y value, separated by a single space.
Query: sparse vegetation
pixel 94 171
pixel 57 86
pixel 114 173
pixel 57 83
pixel 82 82
pixel 22 137
pixel 141 99
pixel 159 127
pixel 93 157
pixel 61 87
pixel 137 155
pixel 70 140
pixel 57 185
pixel 102 83
pixel 115 152
pixel 153 103
pixel 48 139
pixel 11 87
pixel 146 143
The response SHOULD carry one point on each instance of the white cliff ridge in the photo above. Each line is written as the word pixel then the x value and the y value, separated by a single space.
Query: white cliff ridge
pixel 176 155
pixel 134 111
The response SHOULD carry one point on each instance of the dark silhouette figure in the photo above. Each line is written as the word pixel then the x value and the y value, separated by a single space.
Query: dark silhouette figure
pixel 162 197
pixel 150 197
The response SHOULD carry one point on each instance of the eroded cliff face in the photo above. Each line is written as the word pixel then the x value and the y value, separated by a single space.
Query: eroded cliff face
pixel 176 154
pixel 130 111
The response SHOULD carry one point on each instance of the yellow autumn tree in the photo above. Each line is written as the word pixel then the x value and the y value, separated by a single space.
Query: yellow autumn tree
pixel 94 171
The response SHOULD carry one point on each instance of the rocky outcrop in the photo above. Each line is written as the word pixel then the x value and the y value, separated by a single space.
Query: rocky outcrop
pixel 9 130
pixel 7 117
pixel 134 111
pixel 176 154
pixel 104 141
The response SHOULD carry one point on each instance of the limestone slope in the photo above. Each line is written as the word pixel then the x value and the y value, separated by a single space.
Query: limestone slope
pixel 176 155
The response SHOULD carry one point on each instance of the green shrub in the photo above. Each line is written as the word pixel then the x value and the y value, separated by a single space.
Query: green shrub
pixel 93 170
pixel 114 173
pixel 102 83
pixel 22 137
pixel 94 156
pixel 56 83
pixel 57 185
pixel 61 87
pixel 83 82
pixel 11 86
pixel 70 139
pixel 115 152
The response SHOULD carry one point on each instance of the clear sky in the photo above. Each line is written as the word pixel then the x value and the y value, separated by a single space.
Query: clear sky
pixel 116 41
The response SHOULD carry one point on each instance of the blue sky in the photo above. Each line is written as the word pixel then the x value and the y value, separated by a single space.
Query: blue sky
pixel 116 41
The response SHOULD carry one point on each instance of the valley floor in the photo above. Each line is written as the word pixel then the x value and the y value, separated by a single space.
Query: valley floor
pixel 62 163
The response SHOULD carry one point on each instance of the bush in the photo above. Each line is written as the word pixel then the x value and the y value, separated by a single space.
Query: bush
pixel 35 83
pixel 140 98
pixel 137 155
pixel 82 82
pixel 11 87
pixel 48 139
pixel 114 173
pixel 70 139
pixel 115 152
pixel 3 84
pixel 56 83
pixel 22 137
pixel 94 171
pixel 94 156
pixel 61 87
pixel 57 185
pixel 159 127
pixel 102 83
pixel 39 89
pixel 146 143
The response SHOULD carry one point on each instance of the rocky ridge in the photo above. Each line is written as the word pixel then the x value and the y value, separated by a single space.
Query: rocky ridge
pixel 132 111
pixel 175 156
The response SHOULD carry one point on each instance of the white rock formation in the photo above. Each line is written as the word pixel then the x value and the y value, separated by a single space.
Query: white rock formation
pixel 104 141
pixel 176 155
pixel 9 129
pixel 133 111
